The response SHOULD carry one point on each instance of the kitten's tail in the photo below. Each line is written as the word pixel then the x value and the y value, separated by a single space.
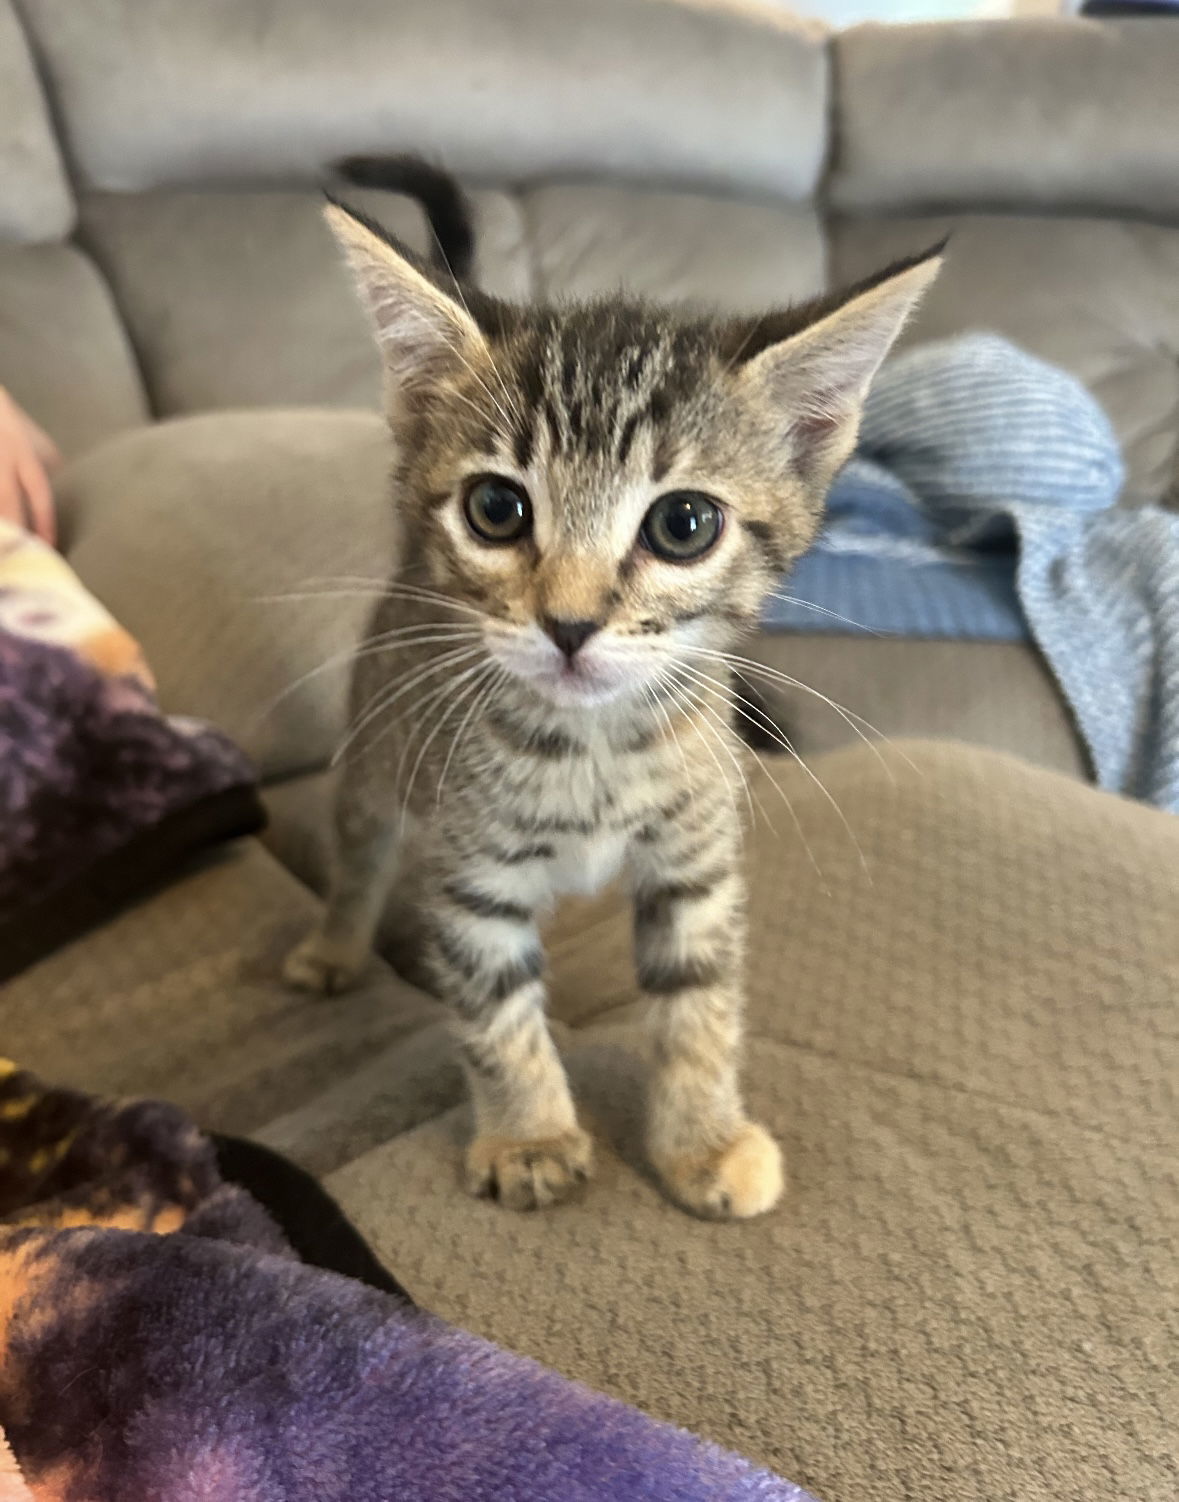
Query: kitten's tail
pixel 444 203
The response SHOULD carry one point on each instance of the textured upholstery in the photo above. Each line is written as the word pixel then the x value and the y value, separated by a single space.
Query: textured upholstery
pixel 1037 117
pixel 64 353
pixel 1099 297
pixel 179 997
pixel 35 198
pixel 672 90
pixel 971 1291
pixel 188 530
pixel 242 300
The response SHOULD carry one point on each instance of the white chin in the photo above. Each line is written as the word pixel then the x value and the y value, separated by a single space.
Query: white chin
pixel 573 691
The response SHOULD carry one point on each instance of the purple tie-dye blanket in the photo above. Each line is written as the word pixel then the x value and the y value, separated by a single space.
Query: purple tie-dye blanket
pixel 100 794
pixel 160 1342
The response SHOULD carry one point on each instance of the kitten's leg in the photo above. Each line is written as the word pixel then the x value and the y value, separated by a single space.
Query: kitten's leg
pixel 368 844
pixel 689 947
pixel 528 1150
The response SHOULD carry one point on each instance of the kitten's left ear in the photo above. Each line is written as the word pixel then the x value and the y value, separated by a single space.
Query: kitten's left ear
pixel 422 329
pixel 814 381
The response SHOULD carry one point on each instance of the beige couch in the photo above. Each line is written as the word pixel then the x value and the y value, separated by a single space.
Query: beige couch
pixel 967 1039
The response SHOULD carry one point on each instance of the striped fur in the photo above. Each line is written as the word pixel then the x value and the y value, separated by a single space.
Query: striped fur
pixel 486 773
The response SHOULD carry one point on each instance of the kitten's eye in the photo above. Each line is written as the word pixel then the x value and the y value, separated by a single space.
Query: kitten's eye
pixel 681 525
pixel 497 510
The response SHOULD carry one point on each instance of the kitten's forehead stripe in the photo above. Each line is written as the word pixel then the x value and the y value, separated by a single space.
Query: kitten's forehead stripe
pixel 554 424
pixel 629 428
pixel 632 368
pixel 664 456
pixel 524 440
pixel 597 376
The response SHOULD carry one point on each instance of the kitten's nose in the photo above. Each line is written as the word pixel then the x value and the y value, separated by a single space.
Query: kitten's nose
pixel 569 635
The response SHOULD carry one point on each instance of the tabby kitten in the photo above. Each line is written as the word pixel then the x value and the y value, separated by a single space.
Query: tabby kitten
pixel 594 500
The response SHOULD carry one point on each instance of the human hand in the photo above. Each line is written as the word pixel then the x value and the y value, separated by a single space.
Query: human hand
pixel 27 454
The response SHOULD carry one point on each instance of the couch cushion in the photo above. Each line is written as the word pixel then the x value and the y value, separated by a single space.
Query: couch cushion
pixel 740 254
pixel 187 531
pixel 970 1058
pixel 1034 114
pixel 243 299
pixel 667 89
pixel 35 198
pixel 996 694
pixel 63 352
pixel 1098 297
pixel 179 997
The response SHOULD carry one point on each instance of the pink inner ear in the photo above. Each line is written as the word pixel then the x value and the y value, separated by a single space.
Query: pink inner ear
pixel 815 424
pixel 811 429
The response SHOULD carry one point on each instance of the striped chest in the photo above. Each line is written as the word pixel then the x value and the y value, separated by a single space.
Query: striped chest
pixel 582 809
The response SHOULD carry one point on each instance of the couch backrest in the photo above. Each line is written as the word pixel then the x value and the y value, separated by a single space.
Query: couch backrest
pixel 1036 117
pixel 35 198
pixel 63 346
pixel 1050 151
pixel 156 93
pixel 715 149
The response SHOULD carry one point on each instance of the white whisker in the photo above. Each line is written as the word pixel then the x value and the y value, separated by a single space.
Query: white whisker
pixel 384 641
pixel 657 703
pixel 456 349
pixel 393 589
pixel 690 701
pixel 781 739
pixel 384 701
pixel 747 665
pixel 778 594
pixel 495 370
pixel 483 692
pixel 444 714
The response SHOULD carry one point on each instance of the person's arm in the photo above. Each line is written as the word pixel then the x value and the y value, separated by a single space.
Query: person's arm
pixel 27 454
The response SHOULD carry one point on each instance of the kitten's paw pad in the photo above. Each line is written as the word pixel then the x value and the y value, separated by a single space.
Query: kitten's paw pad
pixel 744 1179
pixel 320 966
pixel 529 1175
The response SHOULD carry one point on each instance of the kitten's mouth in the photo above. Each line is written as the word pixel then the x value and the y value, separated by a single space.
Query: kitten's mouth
pixel 572 685
pixel 575 683
pixel 592 677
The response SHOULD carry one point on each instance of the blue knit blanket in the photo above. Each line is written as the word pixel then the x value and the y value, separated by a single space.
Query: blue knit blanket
pixel 981 505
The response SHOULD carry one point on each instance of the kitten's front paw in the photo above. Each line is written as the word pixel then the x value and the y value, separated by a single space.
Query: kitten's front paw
pixel 529 1175
pixel 322 966
pixel 744 1179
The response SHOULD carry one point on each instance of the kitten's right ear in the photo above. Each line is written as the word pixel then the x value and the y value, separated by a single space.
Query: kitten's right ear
pixel 421 329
